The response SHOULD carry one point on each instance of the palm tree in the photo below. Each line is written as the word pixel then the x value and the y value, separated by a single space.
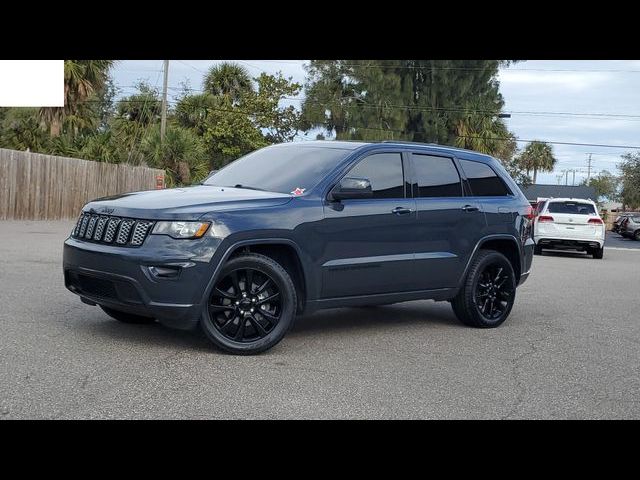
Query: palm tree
pixel 229 80
pixel 182 154
pixel 480 130
pixel 537 156
pixel 82 79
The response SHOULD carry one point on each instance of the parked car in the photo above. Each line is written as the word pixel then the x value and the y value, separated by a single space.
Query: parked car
pixel 631 227
pixel 622 228
pixel 569 224
pixel 620 219
pixel 298 227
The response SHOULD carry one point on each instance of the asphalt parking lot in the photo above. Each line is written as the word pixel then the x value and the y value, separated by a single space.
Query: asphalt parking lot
pixel 569 350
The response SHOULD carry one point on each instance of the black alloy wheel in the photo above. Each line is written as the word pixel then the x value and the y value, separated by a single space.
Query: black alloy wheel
pixel 245 305
pixel 488 293
pixel 251 306
pixel 493 292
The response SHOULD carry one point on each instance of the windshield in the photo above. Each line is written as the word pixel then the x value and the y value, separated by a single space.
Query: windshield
pixel 571 207
pixel 283 169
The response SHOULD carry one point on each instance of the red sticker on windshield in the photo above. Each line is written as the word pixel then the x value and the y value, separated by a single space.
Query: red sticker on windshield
pixel 298 191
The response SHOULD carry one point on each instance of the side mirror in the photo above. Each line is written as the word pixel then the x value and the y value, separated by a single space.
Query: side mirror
pixel 351 188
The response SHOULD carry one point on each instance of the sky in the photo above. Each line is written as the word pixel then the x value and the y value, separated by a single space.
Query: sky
pixel 572 101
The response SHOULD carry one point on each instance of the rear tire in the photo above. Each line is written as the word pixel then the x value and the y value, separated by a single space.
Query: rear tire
pixel 598 253
pixel 490 283
pixel 636 236
pixel 252 305
pixel 537 250
pixel 125 317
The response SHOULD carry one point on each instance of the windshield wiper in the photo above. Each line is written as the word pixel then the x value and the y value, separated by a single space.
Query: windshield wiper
pixel 247 187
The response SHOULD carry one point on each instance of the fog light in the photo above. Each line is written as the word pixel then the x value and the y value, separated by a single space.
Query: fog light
pixel 165 272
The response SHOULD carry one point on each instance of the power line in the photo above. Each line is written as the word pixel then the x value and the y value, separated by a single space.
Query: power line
pixel 521 140
pixel 598 115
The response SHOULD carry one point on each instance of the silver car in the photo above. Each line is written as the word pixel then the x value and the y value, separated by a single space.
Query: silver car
pixel 631 228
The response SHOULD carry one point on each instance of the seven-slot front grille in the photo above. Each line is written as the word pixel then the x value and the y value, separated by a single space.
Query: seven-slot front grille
pixel 115 230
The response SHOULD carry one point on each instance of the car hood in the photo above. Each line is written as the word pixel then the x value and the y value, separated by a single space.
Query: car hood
pixel 188 203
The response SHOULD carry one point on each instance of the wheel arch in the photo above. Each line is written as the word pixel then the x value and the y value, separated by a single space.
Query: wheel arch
pixel 282 250
pixel 502 243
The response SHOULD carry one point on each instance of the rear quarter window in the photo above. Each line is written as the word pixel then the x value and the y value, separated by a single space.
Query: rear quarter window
pixel 484 182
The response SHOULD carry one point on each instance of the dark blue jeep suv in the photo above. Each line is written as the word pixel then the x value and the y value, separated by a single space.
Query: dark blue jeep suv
pixel 297 227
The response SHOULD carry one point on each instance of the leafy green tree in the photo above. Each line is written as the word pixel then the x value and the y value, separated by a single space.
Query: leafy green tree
pixel 103 147
pixel 279 124
pixel 444 101
pixel 82 80
pixel 229 133
pixel 182 154
pixel 330 92
pixel 537 156
pixel 144 107
pixel 479 128
pixel 20 130
pixel 65 146
pixel 606 185
pixel 228 79
pixel 630 168
pixel 233 122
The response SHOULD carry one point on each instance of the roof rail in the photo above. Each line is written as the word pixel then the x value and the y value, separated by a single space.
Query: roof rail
pixel 408 142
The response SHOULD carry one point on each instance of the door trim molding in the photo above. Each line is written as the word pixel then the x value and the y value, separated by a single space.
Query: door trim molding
pixel 340 262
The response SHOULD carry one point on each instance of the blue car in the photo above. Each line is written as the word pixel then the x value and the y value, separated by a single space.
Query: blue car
pixel 297 227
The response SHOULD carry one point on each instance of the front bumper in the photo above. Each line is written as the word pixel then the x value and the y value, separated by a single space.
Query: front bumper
pixel 164 278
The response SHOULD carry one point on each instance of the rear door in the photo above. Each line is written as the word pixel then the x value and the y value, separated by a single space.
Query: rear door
pixel 571 219
pixel 448 223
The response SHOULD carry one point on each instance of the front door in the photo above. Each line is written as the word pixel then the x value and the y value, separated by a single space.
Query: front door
pixel 368 242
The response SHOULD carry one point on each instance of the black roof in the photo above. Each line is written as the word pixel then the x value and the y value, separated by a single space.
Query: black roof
pixel 532 192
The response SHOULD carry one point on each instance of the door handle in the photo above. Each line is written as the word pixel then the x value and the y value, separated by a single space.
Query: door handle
pixel 470 208
pixel 401 210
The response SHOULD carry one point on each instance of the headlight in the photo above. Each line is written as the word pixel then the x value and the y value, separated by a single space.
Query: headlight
pixel 181 229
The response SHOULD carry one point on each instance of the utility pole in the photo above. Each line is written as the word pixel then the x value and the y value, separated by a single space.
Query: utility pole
pixel 573 180
pixel 163 120
pixel 589 169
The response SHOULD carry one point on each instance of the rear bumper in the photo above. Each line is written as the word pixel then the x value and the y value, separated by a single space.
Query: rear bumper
pixel 124 278
pixel 569 243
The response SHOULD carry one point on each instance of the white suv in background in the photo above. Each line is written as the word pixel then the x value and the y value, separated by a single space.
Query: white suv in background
pixel 569 224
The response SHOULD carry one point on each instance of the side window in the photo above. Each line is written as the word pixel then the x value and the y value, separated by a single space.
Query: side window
pixel 540 207
pixel 483 180
pixel 384 170
pixel 436 176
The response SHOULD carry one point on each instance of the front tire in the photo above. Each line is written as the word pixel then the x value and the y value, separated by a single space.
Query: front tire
pixel 251 306
pixel 488 293
pixel 125 317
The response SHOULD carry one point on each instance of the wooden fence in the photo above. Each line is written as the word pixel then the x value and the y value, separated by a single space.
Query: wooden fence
pixel 35 186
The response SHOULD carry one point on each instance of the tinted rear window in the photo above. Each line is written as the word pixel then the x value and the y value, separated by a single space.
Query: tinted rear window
pixel 483 180
pixel 571 207
pixel 436 176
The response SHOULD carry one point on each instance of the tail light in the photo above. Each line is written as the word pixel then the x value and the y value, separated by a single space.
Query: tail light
pixel 596 221
pixel 530 213
pixel 545 218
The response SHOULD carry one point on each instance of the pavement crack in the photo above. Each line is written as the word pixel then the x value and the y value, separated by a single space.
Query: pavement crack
pixel 515 372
